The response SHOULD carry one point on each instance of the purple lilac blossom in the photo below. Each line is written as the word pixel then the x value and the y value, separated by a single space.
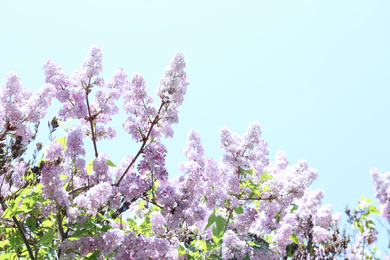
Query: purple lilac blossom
pixel 95 197
pixel 153 161
pixel 139 104
pixel 382 189
pixel 171 89
pixel 53 185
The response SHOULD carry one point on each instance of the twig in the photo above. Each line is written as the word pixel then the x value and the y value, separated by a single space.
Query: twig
pixel 80 189
pixel 142 146
pixel 228 218
pixel 90 119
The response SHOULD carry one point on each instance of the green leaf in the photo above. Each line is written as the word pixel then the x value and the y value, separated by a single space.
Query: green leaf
pixel 265 176
pixel 90 167
pixel 9 256
pixel 373 209
pixel 191 248
pixel 266 188
pixel 361 229
pixel 250 172
pixel 264 246
pixel 62 140
pixel 141 204
pixel 14 209
pixel 92 256
pixel 47 223
pixel 290 250
pixel 370 224
pixel 211 220
pixel 219 227
pixel 268 238
pixel 277 217
pixel 238 210
pixel 356 223
pixel 146 226
pixel 295 207
pixel 3 243
pixel 253 186
pixel 47 238
pixel 16 239
pixel 52 254
pixel 182 251
pixel 29 200
pixel 294 238
pixel 110 163
pixel 31 223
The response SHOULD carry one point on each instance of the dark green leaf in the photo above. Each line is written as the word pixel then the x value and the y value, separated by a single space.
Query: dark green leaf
pixel 16 239
pixel 31 223
pixel 191 248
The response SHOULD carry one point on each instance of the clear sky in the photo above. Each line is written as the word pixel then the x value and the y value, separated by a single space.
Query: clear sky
pixel 315 74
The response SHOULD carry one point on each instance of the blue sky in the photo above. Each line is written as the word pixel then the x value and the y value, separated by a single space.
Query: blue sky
pixel 315 74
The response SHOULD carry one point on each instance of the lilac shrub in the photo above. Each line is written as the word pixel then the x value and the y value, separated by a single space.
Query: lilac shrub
pixel 241 207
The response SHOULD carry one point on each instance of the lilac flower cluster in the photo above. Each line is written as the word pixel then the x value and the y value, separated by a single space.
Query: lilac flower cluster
pixel 153 161
pixel 19 106
pixel 53 186
pixel 171 89
pixel 241 206
pixel 382 188
pixel 139 104
pixel 95 197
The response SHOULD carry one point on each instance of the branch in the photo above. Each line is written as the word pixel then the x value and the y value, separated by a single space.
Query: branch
pixel 151 202
pixel 81 189
pixel 90 119
pixel 21 233
pixel 142 146
pixel 258 198
pixel 63 235
pixel 228 218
